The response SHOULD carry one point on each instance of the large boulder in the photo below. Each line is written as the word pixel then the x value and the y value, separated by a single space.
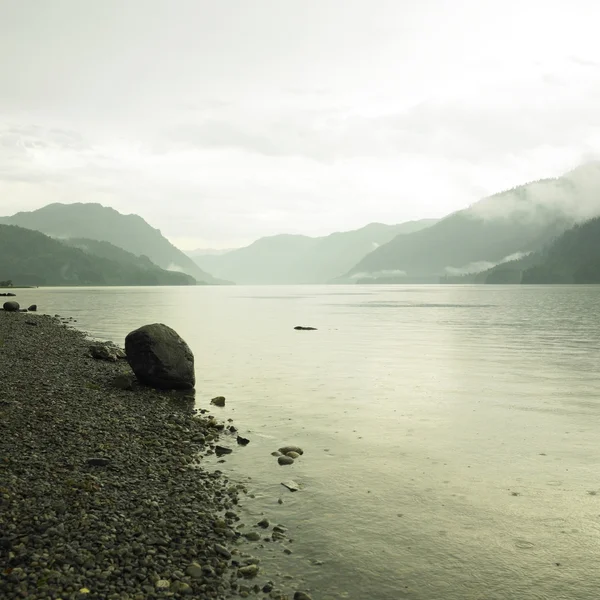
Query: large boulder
pixel 160 358
pixel 11 306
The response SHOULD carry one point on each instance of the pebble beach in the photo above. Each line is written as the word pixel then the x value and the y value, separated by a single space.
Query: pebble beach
pixel 103 494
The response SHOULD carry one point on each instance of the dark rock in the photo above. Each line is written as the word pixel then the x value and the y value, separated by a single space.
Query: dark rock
pixel 182 588
pixel 252 536
pixel 287 449
pixel 293 455
pixel 106 352
pixel 32 308
pixel 9 294
pixel 222 551
pixel 264 523
pixel 249 571
pixel 285 460
pixel 98 462
pixel 221 450
pixel 11 306
pixel 302 596
pixel 301 328
pixel 218 401
pixel 5 543
pixel 34 323
pixel 160 358
pixel 242 441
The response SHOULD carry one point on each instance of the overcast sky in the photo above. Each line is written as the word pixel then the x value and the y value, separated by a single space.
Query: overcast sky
pixel 225 120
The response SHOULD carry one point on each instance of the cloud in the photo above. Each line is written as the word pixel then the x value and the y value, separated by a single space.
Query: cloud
pixel 483 265
pixel 584 62
pixel 378 274
pixel 575 195
pixel 175 268
pixel 220 125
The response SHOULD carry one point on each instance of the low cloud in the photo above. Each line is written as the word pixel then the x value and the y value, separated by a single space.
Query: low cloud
pixel 575 195
pixel 175 268
pixel 378 274
pixel 483 265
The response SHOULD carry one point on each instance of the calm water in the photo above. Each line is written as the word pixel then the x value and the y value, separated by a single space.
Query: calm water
pixel 451 434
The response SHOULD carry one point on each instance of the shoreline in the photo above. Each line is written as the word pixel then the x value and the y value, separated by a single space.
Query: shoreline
pixel 102 490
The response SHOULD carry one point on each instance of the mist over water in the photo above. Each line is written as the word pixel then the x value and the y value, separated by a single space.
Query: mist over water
pixel 450 432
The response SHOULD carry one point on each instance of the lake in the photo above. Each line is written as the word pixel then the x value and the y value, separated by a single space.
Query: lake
pixel 451 433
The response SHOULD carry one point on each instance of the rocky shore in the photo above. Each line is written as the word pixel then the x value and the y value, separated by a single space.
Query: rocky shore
pixel 102 492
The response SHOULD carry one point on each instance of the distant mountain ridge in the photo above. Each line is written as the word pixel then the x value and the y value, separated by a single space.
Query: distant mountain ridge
pixel 300 259
pixel 572 258
pixel 522 220
pixel 29 257
pixel 101 223
pixel 208 252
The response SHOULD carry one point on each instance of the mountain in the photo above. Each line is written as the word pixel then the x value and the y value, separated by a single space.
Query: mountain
pixel 573 258
pixel 102 223
pixel 31 258
pixel 507 272
pixel 491 231
pixel 290 259
pixel 114 253
pixel 207 252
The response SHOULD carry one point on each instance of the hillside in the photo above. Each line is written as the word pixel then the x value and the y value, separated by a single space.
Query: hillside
pixel 521 220
pixel 31 258
pixel 573 258
pixel 101 223
pixel 111 252
pixel 297 259
pixel 508 272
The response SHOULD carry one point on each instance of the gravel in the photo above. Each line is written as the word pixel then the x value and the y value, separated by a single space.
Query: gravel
pixel 102 493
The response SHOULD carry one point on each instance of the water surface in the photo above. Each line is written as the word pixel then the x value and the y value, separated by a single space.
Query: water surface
pixel 452 433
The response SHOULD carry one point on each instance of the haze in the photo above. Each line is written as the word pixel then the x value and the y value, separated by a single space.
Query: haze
pixel 221 122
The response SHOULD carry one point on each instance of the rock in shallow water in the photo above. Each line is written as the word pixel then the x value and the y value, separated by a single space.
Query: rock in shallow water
pixel 287 449
pixel 285 460
pixel 11 306
pixel 249 571
pixel 218 401
pixel 291 485
pixel 160 358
